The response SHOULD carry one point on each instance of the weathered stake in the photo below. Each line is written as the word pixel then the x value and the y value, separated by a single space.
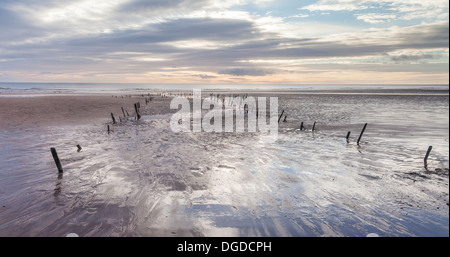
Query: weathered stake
pixel 123 111
pixel 348 136
pixel 426 156
pixel 279 118
pixel 136 108
pixel 314 126
pixel 57 162
pixel 79 148
pixel 362 132
pixel 114 120
pixel 301 126
pixel 108 129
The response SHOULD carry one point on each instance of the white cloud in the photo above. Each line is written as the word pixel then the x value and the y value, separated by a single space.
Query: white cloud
pixel 340 5
pixel 386 10
pixel 198 44
pixel 147 59
pixel 86 10
pixel 299 16
pixel 375 18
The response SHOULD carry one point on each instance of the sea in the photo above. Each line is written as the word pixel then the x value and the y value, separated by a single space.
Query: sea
pixel 112 88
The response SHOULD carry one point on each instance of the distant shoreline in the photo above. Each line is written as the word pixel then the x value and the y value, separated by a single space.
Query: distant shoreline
pixel 111 88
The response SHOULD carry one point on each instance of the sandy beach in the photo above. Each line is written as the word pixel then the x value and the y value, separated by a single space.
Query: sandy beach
pixel 54 109
pixel 142 179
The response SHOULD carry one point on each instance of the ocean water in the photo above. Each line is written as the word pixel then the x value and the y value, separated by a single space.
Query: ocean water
pixel 111 88
pixel 145 180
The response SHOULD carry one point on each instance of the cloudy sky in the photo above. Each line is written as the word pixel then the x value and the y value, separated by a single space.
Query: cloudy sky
pixel 225 41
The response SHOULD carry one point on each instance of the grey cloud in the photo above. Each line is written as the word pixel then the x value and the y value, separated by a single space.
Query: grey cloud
pixel 418 37
pixel 246 72
pixel 429 68
pixel 204 76
pixel 221 30
pixel 14 27
pixel 18 25
pixel 411 58
pixel 47 3
pixel 145 6
pixel 209 29
pixel 426 36
pixel 148 41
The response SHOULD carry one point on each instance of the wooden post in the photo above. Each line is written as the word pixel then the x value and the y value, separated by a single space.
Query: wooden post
pixel 279 118
pixel 57 162
pixel 114 120
pixel 426 156
pixel 123 111
pixel 362 132
pixel 108 129
pixel 127 114
pixel 285 116
pixel 348 136
pixel 314 126
pixel 301 126
pixel 137 106
pixel 79 148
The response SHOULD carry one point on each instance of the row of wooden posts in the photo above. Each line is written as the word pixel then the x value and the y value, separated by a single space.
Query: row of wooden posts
pixel 125 113
pixel 138 116
pixel 60 169
pixel 302 127
pixel 137 107
pixel 425 160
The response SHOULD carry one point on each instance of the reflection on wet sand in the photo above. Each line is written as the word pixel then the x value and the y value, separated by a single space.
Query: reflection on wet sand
pixel 58 186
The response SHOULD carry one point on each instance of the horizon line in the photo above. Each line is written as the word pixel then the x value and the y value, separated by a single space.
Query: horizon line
pixel 212 84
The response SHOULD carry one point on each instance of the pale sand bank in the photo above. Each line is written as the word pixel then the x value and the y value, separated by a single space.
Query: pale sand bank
pixel 51 110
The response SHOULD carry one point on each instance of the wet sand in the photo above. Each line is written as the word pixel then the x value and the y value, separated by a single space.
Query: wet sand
pixel 53 110
pixel 144 180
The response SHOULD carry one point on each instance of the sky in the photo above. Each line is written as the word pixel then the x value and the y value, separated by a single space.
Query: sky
pixel 225 41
